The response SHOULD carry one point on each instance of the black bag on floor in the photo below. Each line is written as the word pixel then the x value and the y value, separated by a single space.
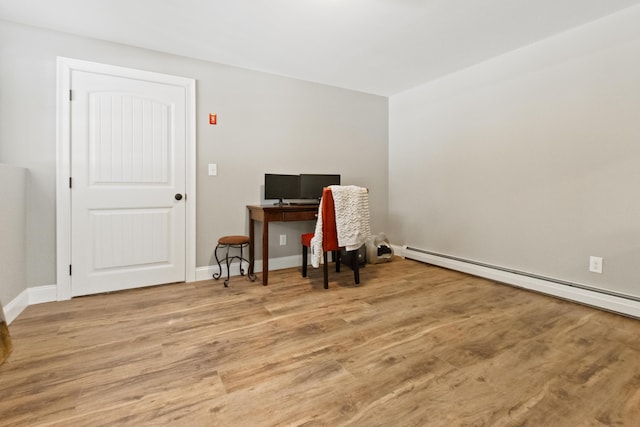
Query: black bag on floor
pixel 345 257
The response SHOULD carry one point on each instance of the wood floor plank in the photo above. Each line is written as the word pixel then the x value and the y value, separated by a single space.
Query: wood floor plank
pixel 412 345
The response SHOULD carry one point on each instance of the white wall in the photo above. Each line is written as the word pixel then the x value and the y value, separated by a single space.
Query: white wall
pixel 529 161
pixel 266 124
pixel 12 232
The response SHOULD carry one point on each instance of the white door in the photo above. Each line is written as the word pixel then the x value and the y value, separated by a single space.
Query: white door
pixel 128 185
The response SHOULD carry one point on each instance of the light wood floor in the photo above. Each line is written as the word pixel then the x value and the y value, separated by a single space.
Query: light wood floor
pixel 413 345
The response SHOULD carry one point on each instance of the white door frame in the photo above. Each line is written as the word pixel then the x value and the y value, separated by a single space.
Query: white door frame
pixel 63 161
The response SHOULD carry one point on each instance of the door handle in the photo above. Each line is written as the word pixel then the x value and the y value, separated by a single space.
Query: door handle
pixel 178 196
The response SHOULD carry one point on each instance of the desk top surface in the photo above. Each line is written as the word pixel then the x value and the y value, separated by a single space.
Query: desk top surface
pixel 294 207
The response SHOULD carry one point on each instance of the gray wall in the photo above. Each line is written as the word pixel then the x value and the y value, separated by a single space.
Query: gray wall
pixel 266 123
pixel 529 161
pixel 12 232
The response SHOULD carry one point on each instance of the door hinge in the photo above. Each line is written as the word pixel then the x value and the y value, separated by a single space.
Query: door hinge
pixel 70 95
pixel 69 269
pixel 185 196
pixel 70 182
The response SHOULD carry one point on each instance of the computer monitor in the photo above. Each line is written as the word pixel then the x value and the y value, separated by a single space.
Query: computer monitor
pixel 311 185
pixel 281 187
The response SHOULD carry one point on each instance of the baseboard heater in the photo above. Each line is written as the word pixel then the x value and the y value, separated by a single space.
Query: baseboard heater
pixel 607 300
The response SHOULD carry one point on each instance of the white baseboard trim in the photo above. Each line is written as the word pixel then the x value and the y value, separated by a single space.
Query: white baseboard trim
pixel 608 302
pixel 16 306
pixel 206 273
pixel 42 294
pixel 30 296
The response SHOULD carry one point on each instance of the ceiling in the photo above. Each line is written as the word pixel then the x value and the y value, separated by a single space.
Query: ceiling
pixel 381 47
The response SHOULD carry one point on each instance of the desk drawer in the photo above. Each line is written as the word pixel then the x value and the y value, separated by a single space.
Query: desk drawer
pixel 299 216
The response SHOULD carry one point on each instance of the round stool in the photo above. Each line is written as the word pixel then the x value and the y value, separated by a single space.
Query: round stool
pixel 232 242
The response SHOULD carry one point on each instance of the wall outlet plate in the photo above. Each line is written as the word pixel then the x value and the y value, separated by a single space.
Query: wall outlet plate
pixel 595 264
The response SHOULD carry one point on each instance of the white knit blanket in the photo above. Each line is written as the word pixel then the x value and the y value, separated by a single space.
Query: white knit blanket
pixel 316 241
pixel 352 220
pixel 352 215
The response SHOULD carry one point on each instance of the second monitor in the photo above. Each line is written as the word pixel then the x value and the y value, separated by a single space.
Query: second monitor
pixel 311 185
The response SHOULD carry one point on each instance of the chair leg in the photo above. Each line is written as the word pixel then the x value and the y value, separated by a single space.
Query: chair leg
pixel 304 260
pixel 325 269
pixel 336 257
pixel 355 266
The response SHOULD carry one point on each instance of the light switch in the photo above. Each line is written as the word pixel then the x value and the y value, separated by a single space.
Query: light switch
pixel 213 169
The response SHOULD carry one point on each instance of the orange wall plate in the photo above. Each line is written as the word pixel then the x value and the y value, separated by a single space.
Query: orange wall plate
pixel 213 119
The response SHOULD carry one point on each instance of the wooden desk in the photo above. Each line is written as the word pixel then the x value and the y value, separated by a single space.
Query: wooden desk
pixel 274 213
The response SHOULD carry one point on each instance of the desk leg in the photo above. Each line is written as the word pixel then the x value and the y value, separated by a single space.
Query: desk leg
pixel 252 250
pixel 265 252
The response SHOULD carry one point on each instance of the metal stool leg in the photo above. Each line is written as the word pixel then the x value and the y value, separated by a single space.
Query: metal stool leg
pixel 226 282
pixel 250 275
pixel 219 273
pixel 226 258
pixel 241 259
